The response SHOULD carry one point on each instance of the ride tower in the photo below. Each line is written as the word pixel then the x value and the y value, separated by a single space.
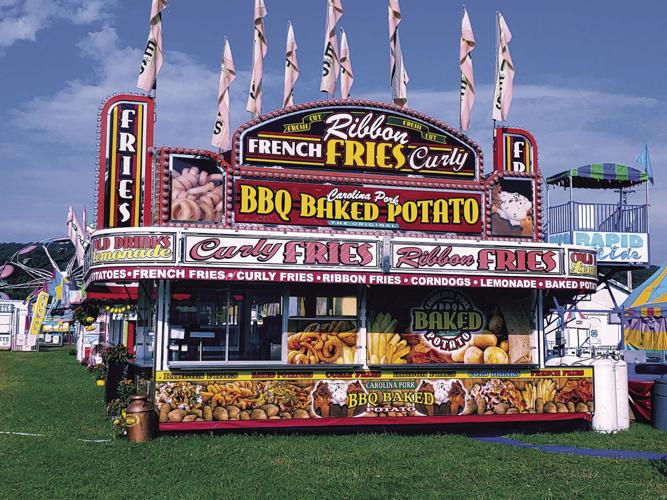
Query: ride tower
pixel 606 207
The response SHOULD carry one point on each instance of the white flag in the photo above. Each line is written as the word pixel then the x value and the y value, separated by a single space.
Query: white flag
pixel 502 97
pixel 75 233
pixel 330 61
pixel 258 53
pixel 467 77
pixel 152 60
pixel 346 75
pixel 399 75
pixel 221 130
pixel 291 68
pixel 84 221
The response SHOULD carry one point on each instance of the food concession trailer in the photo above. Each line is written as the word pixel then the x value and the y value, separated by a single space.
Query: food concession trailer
pixel 346 260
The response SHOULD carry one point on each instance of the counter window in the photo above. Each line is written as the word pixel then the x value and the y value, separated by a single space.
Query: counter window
pixel 226 325
pixel 196 189
pixel 323 326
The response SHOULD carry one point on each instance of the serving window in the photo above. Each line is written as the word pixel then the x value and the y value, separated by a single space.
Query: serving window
pixel 323 325
pixel 196 188
pixel 214 325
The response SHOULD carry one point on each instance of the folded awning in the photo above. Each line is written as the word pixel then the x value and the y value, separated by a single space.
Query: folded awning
pixel 113 292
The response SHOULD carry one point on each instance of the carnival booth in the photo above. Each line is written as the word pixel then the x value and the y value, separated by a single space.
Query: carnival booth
pixel 645 311
pixel 13 324
pixel 351 264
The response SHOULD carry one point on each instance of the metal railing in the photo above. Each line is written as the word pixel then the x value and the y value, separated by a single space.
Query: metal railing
pixel 604 217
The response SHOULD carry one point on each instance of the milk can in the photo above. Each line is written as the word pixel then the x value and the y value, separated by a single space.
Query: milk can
pixel 139 419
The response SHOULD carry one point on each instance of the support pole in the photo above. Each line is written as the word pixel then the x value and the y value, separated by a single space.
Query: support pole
pixel 571 211
pixel 541 335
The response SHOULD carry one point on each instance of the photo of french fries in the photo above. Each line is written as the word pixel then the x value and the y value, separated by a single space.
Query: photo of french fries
pixel 384 346
pixel 333 342
pixel 544 389
pixel 196 195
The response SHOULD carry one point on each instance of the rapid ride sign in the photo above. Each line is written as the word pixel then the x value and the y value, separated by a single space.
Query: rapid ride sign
pixel 612 248
pixel 361 138
pixel 283 203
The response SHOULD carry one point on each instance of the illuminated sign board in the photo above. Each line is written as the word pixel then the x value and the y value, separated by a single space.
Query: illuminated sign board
pixel 360 138
pixel 309 204
pixel 126 124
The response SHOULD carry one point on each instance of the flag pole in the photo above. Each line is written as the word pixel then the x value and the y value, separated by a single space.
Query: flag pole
pixel 155 80
pixel 461 81
pixel 496 69
pixel 222 62
pixel 326 31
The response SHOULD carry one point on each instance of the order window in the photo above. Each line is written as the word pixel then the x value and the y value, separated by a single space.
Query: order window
pixel 234 325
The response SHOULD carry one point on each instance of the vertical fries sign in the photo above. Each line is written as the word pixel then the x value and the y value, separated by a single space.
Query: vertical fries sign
pixel 126 125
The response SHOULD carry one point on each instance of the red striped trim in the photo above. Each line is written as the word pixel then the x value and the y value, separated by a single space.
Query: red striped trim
pixel 372 422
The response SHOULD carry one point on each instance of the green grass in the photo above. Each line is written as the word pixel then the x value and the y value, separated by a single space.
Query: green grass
pixel 49 393
pixel 639 437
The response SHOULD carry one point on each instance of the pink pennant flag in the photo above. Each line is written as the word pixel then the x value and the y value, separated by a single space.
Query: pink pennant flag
pixel 258 52
pixel 467 77
pixel 399 75
pixel 330 61
pixel 291 68
pixel 221 130
pixel 152 60
pixel 346 75
pixel 502 97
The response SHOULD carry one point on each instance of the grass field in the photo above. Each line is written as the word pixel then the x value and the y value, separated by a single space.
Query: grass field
pixel 50 394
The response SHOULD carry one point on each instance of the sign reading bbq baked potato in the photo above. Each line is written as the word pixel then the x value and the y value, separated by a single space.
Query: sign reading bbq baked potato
pixel 366 137
pixel 244 398
pixel 307 204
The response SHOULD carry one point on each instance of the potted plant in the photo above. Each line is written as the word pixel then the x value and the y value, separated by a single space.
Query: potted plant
pixel 100 374
pixel 115 359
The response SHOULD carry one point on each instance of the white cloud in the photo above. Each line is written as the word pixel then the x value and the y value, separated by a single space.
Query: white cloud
pixel 573 126
pixel 185 103
pixel 23 19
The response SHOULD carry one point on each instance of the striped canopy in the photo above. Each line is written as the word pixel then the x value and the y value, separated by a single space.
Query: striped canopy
pixel 599 175
pixel 646 308
pixel 650 298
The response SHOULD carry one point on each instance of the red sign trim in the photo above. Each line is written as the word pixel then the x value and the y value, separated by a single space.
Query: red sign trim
pixel 132 273
pixel 141 201
pixel 282 203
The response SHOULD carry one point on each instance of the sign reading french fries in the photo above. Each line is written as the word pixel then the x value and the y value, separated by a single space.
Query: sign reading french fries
pixel 368 138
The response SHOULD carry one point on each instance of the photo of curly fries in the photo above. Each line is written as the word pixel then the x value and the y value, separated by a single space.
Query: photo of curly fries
pixel 330 342
pixel 196 195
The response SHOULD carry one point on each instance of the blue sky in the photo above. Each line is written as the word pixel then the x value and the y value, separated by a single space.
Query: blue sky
pixel 591 81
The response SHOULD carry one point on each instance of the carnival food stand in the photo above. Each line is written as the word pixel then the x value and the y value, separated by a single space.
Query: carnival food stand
pixel 348 263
